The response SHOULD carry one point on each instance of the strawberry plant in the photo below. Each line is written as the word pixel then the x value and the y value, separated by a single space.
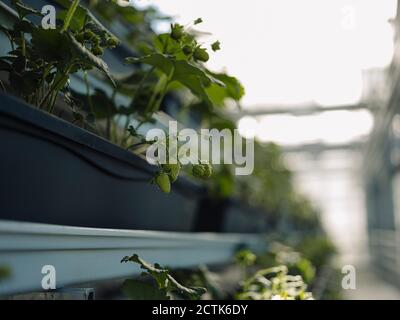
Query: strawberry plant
pixel 273 284
pixel 163 286
pixel 42 60
pixel 178 59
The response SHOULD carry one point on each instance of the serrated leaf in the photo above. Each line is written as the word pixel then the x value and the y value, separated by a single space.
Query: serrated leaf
pixel 77 20
pixel 164 44
pixel 183 67
pixel 233 89
pixel 157 60
pixel 191 76
pixel 52 45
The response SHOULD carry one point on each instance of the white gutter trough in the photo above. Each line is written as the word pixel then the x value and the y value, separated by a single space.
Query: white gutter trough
pixel 84 254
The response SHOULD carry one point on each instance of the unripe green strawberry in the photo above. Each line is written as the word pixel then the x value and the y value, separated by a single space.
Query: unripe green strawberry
pixel 200 54
pixel 177 31
pixel 96 41
pixel 80 37
pixel 172 170
pixel 162 180
pixel 207 170
pixel 202 170
pixel 88 35
pixel 198 171
pixel 112 42
pixel 97 50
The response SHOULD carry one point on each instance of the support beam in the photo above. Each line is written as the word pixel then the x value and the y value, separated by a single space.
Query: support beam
pixel 317 148
pixel 301 110
pixel 83 255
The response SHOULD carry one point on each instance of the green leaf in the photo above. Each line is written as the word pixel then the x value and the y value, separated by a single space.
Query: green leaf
pixel 245 258
pixel 194 79
pixel 233 89
pixel 184 72
pixel 216 46
pixel 78 19
pixel 157 60
pixel 51 45
pixel 198 21
pixel 185 68
pixel 140 290
pixel 164 44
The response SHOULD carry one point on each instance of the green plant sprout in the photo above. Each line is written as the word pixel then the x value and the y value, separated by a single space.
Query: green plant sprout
pixel 274 284
pixel 42 60
pixel 178 58
pixel 168 172
pixel 165 283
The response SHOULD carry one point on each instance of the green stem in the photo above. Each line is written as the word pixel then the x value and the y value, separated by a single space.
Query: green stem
pixel 70 14
pixel 54 88
pixel 140 87
pixel 110 118
pixel 53 101
pixel 23 44
pixel 2 86
pixel 156 104
pixel 89 97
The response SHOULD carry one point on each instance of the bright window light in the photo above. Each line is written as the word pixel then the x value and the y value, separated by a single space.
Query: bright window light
pixel 248 127
pixel 288 51
pixel 331 127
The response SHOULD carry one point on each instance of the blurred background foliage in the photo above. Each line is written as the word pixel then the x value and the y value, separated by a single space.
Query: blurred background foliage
pixel 298 240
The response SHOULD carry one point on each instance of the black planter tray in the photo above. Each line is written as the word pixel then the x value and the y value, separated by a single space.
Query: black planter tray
pixel 230 216
pixel 52 171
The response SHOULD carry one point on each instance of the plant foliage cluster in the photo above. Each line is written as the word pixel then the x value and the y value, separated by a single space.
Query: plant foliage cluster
pixel 282 272
pixel 154 72
pixel 42 63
